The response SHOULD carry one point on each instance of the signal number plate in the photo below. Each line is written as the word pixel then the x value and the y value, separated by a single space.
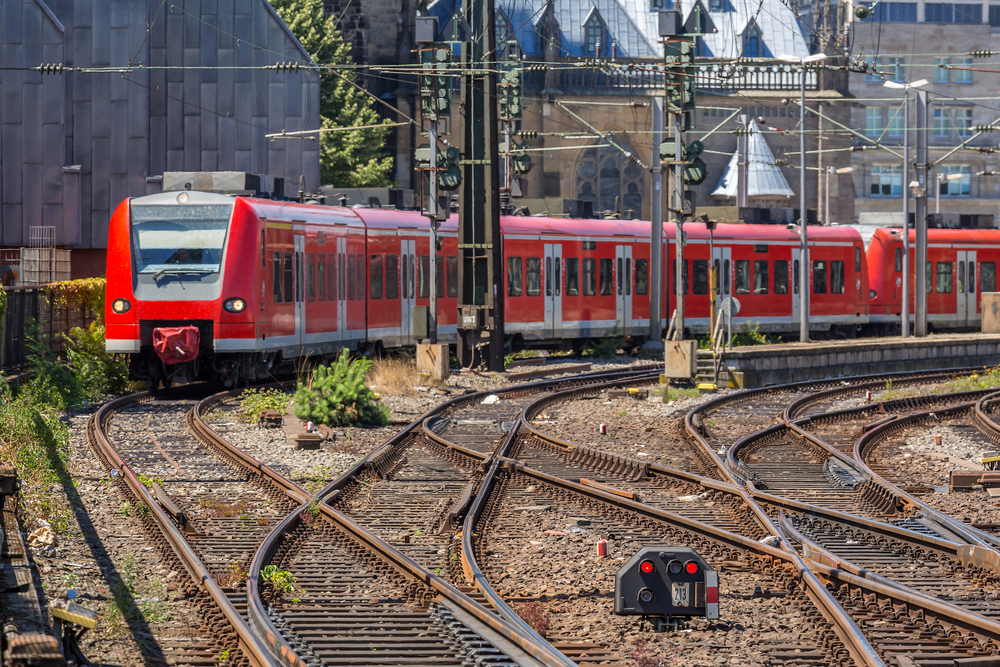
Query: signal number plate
pixel 680 594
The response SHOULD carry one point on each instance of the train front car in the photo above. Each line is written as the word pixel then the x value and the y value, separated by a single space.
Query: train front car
pixel 180 292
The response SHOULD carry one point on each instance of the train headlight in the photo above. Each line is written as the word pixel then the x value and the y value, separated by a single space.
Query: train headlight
pixel 235 305
pixel 121 306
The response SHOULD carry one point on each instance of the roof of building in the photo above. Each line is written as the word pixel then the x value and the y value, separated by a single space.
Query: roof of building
pixel 764 177
pixel 633 26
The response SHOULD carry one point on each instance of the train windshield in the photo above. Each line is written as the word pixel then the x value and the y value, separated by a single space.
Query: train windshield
pixel 179 239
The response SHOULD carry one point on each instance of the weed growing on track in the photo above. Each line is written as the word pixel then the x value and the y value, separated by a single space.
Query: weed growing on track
pixel 217 508
pixel 134 600
pixel 255 401
pixel 644 657
pixel 534 614
pixel 234 576
pixel 608 346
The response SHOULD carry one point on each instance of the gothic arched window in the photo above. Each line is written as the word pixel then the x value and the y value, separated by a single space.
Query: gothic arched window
pixel 610 180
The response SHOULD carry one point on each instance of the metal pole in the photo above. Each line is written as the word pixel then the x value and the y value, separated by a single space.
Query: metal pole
pixel 937 193
pixel 656 231
pixel 826 190
pixel 742 166
pixel 432 210
pixel 803 218
pixel 920 310
pixel 906 212
pixel 679 204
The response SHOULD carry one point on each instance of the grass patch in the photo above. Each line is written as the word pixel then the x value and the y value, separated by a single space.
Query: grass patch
pixel 672 394
pixel 134 599
pixel 988 379
pixel 397 376
pixel 255 401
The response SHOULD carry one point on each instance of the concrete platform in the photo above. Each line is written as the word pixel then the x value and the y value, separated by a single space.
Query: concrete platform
pixel 761 365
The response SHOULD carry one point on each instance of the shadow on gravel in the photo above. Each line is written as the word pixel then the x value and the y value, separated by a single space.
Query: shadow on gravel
pixel 121 594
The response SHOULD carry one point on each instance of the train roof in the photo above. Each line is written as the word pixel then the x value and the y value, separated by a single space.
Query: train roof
pixel 766 233
pixel 942 236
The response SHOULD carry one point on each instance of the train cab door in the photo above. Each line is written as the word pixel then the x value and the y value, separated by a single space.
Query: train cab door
pixel 340 271
pixel 553 289
pixel 300 292
pixel 623 290
pixel 407 301
pixel 796 279
pixel 965 287
pixel 722 262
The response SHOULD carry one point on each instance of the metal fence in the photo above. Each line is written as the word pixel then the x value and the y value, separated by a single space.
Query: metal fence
pixel 27 306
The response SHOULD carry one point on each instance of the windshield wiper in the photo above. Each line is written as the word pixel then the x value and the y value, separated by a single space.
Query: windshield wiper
pixel 181 271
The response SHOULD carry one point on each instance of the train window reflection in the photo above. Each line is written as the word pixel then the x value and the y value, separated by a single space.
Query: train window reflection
pixel 781 276
pixel 819 277
pixel 641 277
pixel 836 277
pixel 944 277
pixel 533 279
pixel 276 276
pixel 321 276
pixel 452 276
pixel 589 276
pixel 572 277
pixel 700 276
pixel 513 276
pixel 376 276
pixel 988 276
pixel 606 276
pixel 391 277
pixel 289 279
pixel 179 239
pixel 760 277
pixel 742 276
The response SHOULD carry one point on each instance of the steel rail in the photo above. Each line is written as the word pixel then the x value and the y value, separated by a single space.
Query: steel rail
pixel 256 652
pixel 400 562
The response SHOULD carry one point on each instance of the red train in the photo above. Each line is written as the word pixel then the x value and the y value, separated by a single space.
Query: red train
pixel 202 285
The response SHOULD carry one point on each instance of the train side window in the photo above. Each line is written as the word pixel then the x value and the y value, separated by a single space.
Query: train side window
pixel 819 277
pixel 700 267
pixel 899 260
pixel 725 277
pixel 514 276
pixel 621 276
pixel 276 277
pixel 331 276
pixel 641 277
pixel 673 274
pixel 572 276
pixel 439 276
pixel 781 276
pixel 628 276
pixel 533 279
pixel 929 274
pixel 298 277
pixel 972 278
pixel 375 274
pixel 311 276
pixel 606 279
pixel 548 276
pixel 452 266
pixel 944 277
pixel 589 276
pixel 289 279
pixel 405 282
pixel 857 260
pixel 714 279
pixel 761 281
pixel 361 276
pixel 350 277
pixel 960 278
pixel 795 276
pixel 321 276
pixel 742 276
pixel 391 277
pixel 343 281
pixel 988 276
pixel 413 276
pixel 556 277
pixel 836 277
pixel 424 272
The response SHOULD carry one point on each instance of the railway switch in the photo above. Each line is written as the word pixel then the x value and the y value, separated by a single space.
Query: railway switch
pixel 665 583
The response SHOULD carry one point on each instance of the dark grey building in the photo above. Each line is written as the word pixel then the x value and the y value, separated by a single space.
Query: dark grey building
pixel 154 86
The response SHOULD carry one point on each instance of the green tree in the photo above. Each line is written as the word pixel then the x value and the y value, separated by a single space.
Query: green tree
pixel 352 158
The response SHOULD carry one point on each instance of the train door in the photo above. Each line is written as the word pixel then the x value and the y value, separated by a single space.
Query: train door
pixel 340 271
pixel 407 301
pixel 300 297
pixel 623 267
pixel 722 262
pixel 553 289
pixel 796 279
pixel 965 287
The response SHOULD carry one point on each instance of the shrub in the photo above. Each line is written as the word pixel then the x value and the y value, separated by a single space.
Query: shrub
pixel 336 395
pixel 255 401
pixel 609 345
pixel 52 383
pixel 98 372
pixel 534 614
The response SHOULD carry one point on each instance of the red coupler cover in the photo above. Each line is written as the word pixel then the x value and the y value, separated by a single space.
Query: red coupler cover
pixel 174 345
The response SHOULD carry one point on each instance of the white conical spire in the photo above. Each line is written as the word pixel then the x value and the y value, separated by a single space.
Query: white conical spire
pixel 764 178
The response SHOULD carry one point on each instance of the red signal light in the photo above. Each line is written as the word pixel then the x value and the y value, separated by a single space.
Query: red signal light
pixel 646 566
pixel 691 567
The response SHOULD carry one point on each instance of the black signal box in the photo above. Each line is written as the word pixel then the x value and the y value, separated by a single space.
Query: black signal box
pixel 667 582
